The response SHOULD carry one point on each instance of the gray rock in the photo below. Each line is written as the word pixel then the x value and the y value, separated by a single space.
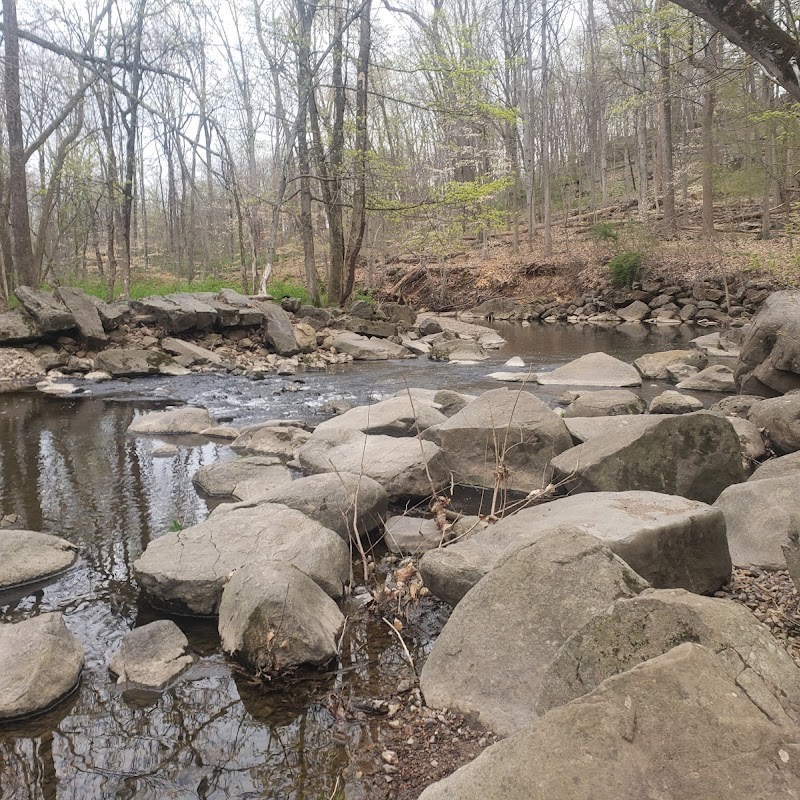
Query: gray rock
pixel 770 354
pixel 429 326
pixel 170 316
pixel 484 336
pixel 780 416
pixel 482 664
pixel 227 315
pixel 680 372
pixel 783 467
pixel 335 500
pixel 637 629
pixel 692 455
pixel 221 432
pixel 654 365
pixel 670 541
pixel 759 516
pixel 593 369
pixel 584 429
pixel 173 422
pixel 50 315
pixel 360 348
pixel 40 663
pixel 673 727
pixel 411 535
pixel 737 405
pixel 397 416
pixel 278 330
pixel 273 618
pixel 16 327
pixel 112 315
pixel 405 467
pixel 199 355
pixel 125 363
pixel 452 402
pixel 716 345
pixel 243 478
pixel 382 329
pixel 671 402
pixel 30 556
pixel 205 315
pixel 514 427
pixel 185 571
pixel 282 441
pixel 605 403
pixel 716 378
pixel 635 312
pixel 87 317
pixel 458 350
pixel 151 656
pixel 750 440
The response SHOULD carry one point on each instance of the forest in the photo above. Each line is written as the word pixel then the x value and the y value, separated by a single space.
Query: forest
pixel 230 142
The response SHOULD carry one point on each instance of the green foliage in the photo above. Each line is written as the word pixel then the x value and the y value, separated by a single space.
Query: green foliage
pixel 176 526
pixel 364 294
pixel 604 232
pixel 625 268
pixel 282 288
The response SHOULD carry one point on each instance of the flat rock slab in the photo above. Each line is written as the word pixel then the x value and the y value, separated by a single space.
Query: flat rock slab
pixel 172 317
pixel 483 335
pixel 132 363
pixel 491 656
pixel 634 630
pixel 174 422
pixel 716 378
pixel 200 355
pixel 204 314
pixel 339 501
pixel 397 416
pixel 243 478
pixel 50 315
pixel 87 317
pixel 17 327
pixel 273 618
pixel 584 429
pixel 282 441
pixel 675 727
pixel 760 516
pixel 361 348
pixel 692 455
pixel 185 571
pixel 593 369
pixel 30 556
pixel 780 416
pixel 152 656
pixel 278 330
pixel 404 466
pixel 670 541
pixel 508 426
pixel 411 535
pixel 40 663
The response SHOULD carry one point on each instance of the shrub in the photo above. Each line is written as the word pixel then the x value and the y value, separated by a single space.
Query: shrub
pixel 625 268
pixel 604 232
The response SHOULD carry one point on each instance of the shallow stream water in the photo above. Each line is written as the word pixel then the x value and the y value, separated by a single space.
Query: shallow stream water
pixel 68 467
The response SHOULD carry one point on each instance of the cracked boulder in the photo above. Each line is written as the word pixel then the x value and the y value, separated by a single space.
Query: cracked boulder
pixel 634 630
pixel 673 728
pixel 185 571
pixel 491 656
pixel 242 478
pixel 274 618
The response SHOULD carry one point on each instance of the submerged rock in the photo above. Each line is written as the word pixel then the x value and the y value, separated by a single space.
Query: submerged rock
pixel 491 656
pixel 273 617
pixel 40 663
pixel 151 656
pixel 30 556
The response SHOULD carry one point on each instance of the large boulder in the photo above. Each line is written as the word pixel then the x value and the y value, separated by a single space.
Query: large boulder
pixel 242 478
pixel 131 363
pixel 185 571
pixel 605 403
pixel 593 369
pixel 693 455
pixel 151 656
pixel 16 327
pixel 670 541
pixel 87 317
pixel 339 501
pixel 760 516
pixel 40 663
pixel 278 330
pixel 634 630
pixel 716 378
pixel 780 416
pixel 635 312
pixel 170 316
pixel 769 363
pixel 282 441
pixel 273 617
pixel 361 348
pixel 654 365
pixel 173 422
pixel 458 350
pixel 50 315
pixel 490 658
pixel 782 467
pixel 503 426
pixel 675 727
pixel 30 556
pixel 203 314
pixel 397 416
pixel 404 466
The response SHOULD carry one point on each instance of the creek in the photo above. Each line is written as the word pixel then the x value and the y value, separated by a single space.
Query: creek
pixel 68 467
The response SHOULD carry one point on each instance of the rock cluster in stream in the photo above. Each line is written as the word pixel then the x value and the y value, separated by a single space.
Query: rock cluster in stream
pixel 600 610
